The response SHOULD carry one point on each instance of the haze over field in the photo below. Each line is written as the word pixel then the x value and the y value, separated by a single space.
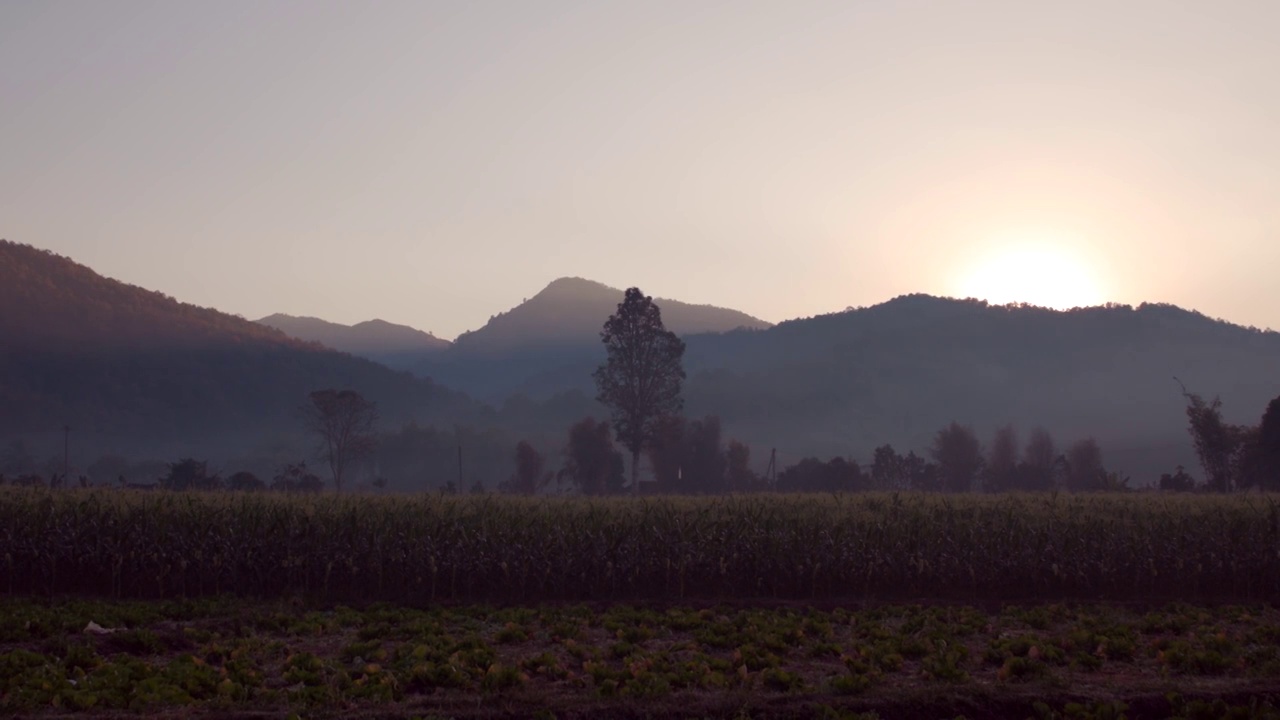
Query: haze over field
pixel 141 374
pixel 670 358
pixel 431 164
pixel 212 210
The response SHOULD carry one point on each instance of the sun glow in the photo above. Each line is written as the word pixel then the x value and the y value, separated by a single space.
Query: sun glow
pixel 1039 273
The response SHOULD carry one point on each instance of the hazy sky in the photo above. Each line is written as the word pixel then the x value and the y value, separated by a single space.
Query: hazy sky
pixel 433 163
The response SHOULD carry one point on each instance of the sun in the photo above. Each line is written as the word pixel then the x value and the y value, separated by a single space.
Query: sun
pixel 1035 272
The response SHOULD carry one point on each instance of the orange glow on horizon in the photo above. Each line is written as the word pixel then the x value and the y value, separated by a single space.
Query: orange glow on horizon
pixel 1036 270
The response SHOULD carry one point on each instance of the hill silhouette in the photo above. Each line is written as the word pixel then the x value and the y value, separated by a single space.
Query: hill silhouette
pixel 554 336
pixel 570 312
pixel 844 383
pixel 139 370
pixel 135 368
pixel 396 346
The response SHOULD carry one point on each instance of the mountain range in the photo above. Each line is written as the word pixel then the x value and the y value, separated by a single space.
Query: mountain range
pixel 846 382
pixel 562 321
pixel 396 346
pixel 549 341
pixel 128 368
pixel 899 371
pixel 127 363
pixel 569 312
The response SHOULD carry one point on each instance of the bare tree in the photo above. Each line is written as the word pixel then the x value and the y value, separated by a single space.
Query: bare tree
pixel 344 422
pixel 640 381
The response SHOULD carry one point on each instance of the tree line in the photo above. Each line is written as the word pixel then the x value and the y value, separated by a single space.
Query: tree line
pixel 640 383
pixel 690 456
pixel 1233 457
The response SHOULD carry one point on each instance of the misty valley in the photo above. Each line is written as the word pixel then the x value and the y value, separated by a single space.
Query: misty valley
pixel 602 504
pixel 104 380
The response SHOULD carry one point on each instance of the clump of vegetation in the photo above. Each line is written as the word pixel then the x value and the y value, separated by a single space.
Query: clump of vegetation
pixel 277 655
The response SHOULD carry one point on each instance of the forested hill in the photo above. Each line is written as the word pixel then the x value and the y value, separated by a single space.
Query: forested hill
pixel 122 362
pixel 396 346
pixel 552 338
pixel 117 360
pixel 570 312
pixel 899 371
pixel 844 383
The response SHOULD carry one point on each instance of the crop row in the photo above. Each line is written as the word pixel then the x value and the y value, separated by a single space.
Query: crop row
pixel 233 655
pixel 446 548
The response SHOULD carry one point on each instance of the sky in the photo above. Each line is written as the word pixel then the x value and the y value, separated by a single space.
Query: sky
pixel 434 163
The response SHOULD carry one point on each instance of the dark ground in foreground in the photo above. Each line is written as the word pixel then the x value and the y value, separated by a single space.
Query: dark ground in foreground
pixel 235 658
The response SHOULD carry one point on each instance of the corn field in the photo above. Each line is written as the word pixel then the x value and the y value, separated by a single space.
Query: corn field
pixel 424 548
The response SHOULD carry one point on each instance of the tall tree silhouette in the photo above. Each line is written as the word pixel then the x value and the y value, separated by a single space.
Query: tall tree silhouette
pixel 344 422
pixel 1085 472
pixel 190 474
pixel 889 470
pixel 590 462
pixel 1218 443
pixel 1002 461
pixel 959 456
pixel 738 467
pixel 529 477
pixel 1268 448
pixel 640 380
pixel 687 456
pixel 707 462
pixel 668 451
pixel 1040 460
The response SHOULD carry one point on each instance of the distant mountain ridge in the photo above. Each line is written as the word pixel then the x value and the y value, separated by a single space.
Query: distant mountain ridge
pixel 570 311
pixel 117 361
pixel 847 382
pixel 396 346
pixel 897 372
pixel 553 338
pixel 113 359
